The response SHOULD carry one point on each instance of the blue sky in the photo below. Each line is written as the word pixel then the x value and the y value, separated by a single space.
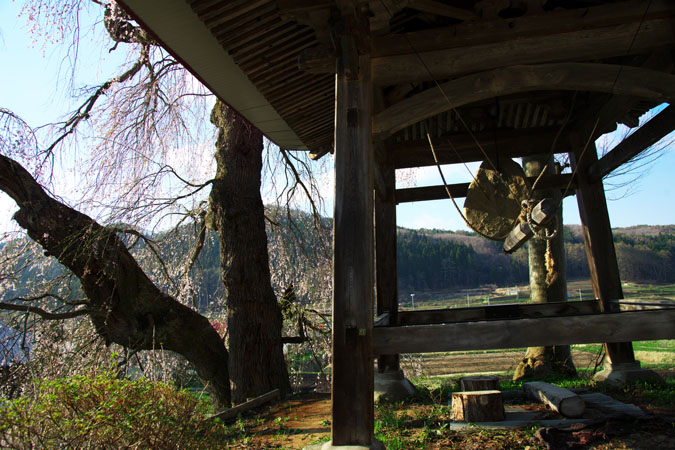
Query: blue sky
pixel 32 85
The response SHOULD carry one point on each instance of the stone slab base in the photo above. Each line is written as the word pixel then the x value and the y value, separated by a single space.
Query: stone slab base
pixel 517 417
pixel 618 375
pixel 392 387
pixel 376 445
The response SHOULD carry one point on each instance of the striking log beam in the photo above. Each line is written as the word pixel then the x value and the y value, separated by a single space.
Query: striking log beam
pixel 542 213
pixel 420 194
pixel 644 137
pixel 529 26
pixel 582 45
pixel 519 333
pixel 462 148
pixel 614 79
pixel 495 312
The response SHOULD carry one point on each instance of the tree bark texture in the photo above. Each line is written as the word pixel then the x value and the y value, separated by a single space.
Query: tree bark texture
pixel 546 361
pixel 257 363
pixel 126 306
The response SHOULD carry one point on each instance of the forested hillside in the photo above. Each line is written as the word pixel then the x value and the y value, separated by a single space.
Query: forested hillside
pixel 439 259
pixel 427 260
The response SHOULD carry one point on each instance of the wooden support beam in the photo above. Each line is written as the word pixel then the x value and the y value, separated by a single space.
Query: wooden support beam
pixel 385 248
pixel 550 23
pixel 353 281
pixel 610 78
pixel 582 45
pixel 644 137
pixel 441 9
pixel 425 193
pixel 599 243
pixel 419 194
pixel 462 148
pixel 520 333
pixel 607 110
pixel 496 312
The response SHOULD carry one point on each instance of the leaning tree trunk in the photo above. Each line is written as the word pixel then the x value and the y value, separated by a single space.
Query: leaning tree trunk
pixel 543 362
pixel 254 318
pixel 125 306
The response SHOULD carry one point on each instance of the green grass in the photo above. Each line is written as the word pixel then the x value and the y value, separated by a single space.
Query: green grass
pixel 667 346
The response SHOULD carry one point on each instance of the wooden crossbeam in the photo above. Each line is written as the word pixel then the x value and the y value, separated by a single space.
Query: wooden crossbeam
pixel 644 137
pixel 610 78
pixel 496 312
pixel 462 148
pixel 519 333
pixel 582 45
pixel 458 190
pixel 606 110
pixel 528 26
pixel 441 9
pixel 580 34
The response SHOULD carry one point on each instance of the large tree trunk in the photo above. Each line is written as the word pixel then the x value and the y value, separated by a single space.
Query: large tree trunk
pixel 254 318
pixel 543 362
pixel 126 306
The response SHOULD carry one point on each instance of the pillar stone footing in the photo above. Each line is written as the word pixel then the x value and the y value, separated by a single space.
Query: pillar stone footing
pixel 621 374
pixel 376 445
pixel 392 386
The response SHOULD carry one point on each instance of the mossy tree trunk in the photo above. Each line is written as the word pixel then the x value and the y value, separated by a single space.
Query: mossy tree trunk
pixel 124 305
pixel 254 317
pixel 544 362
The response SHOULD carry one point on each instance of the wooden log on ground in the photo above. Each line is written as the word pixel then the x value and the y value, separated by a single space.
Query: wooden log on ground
pixel 477 406
pixel 479 383
pixel 559 399
pixel 232 413
pixel 608 405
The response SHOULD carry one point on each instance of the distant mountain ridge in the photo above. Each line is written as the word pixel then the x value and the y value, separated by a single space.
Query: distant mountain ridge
pixel 428 259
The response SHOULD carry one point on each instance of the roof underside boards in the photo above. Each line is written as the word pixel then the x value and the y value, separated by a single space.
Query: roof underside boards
pixel 248 51
pixel 179 29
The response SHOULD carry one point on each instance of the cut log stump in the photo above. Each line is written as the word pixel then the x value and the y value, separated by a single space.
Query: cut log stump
pixel 477 406
pixel 559 399
pixel 479 383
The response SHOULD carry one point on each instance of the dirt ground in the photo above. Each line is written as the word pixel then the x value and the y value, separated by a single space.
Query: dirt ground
pixel 305 418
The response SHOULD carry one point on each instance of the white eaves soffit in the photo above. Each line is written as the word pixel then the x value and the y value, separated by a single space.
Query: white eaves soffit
pixel 182 33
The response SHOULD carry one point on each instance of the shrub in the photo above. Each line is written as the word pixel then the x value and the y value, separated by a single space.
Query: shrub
pixel 101 412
